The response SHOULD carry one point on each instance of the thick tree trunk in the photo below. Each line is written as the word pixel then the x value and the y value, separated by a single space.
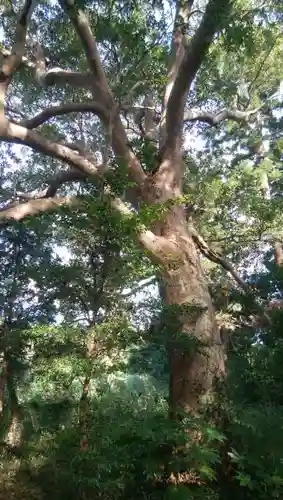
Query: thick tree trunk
pixel 195 350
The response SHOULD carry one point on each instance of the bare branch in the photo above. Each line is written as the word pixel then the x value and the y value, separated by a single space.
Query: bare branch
pixel 11 132
pixel 216 118
pixel 32 195
pixel 212 22
pixel 12 62
pixel 278 253
pixel 34 207
pixel 63 178
pixel 48 113
pixel 160 248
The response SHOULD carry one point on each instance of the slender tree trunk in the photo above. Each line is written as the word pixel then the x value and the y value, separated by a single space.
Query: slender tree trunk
pixel 3 381
pixel 14 436
pixel 84 404
pixel 3 369
pixel 84 413
pixel 278 253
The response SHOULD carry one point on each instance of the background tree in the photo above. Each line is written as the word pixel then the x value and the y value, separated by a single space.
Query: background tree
pixel 24 302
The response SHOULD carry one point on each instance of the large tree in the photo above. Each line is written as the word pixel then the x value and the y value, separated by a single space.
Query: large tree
pixel 143 135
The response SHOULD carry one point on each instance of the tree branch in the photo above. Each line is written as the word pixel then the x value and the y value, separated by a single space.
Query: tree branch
pixel 58 76
pixel 12 132
pixel 135 289
pixel 116 131
pixel 214 119
pixel 6 53
pixel 212 22
pixel 53 185
pixel 183 11
pixel 83 30
pixel 160 248
pixel 34 207
pixel 63 109
pixel 218 259
pixel 11 63
pixel 53 76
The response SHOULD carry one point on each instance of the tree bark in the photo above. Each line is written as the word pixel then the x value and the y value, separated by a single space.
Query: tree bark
pixel 196 353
